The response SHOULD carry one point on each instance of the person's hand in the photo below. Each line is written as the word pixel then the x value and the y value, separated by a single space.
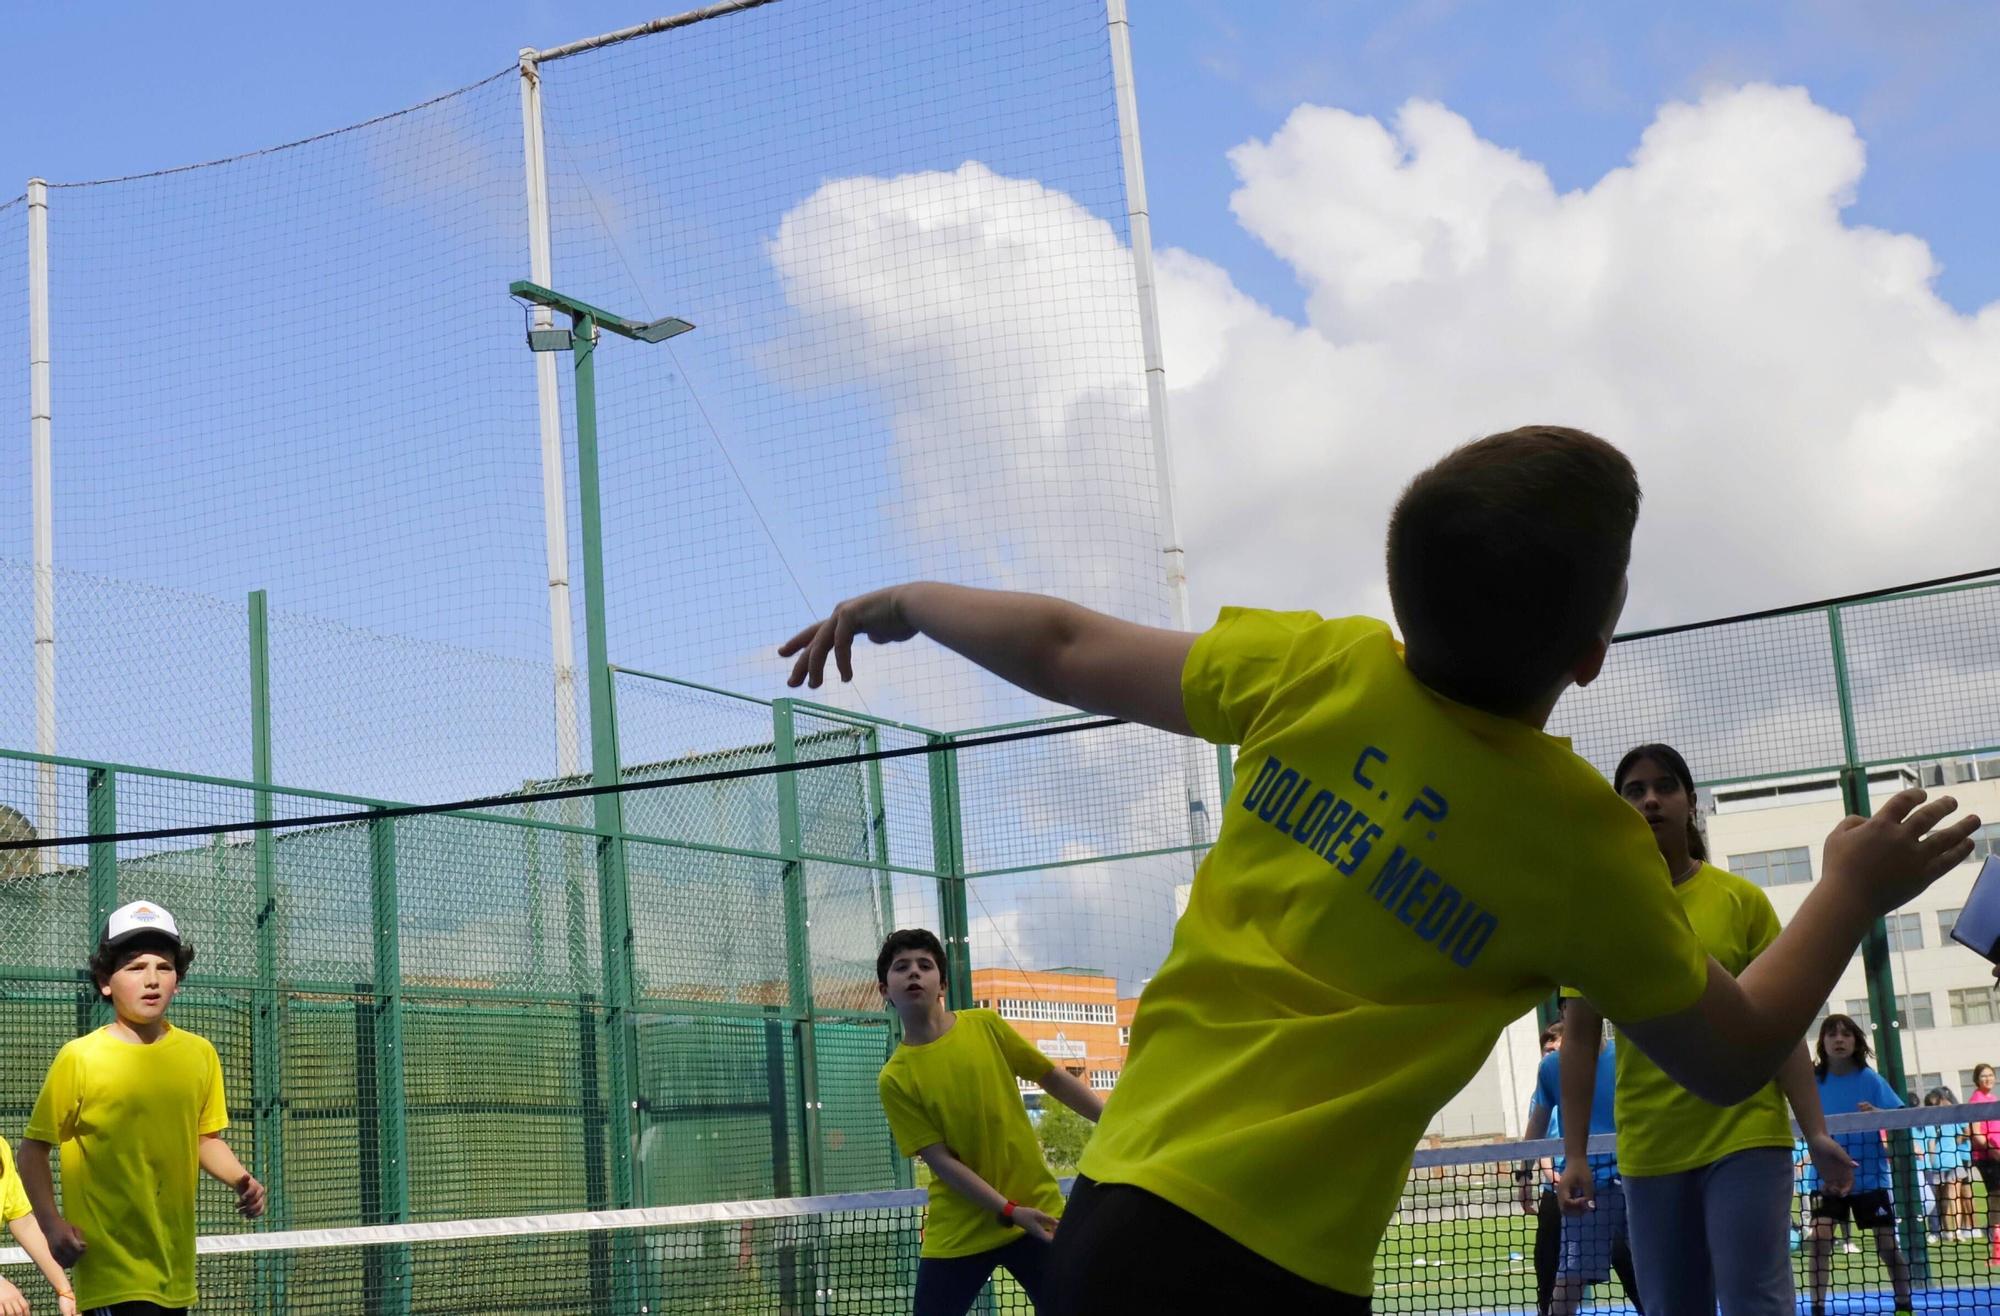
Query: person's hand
pixel 12 1303
pixel 1525 1193
pixel 1863 1105
pixel 879 616
pixel 249 1197
pixel 65 1242
pixel 1835 1166
pixel 1887 860
pixel 1036 1224
pixel 66 1304
pixel 1576 1189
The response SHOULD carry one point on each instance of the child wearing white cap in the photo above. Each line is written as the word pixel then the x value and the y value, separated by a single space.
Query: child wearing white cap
pixel 137 1108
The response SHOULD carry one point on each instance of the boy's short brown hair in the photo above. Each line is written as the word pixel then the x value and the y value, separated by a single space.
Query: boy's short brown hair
pixel 1505 559
pixel 908 939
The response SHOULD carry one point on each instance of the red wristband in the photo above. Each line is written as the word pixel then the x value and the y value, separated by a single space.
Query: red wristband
pixel 1007 1213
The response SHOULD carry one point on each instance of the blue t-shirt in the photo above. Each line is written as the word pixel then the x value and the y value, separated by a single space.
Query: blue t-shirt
pixel 1841 1094
pixel 1952 1148
pixel 1603 1114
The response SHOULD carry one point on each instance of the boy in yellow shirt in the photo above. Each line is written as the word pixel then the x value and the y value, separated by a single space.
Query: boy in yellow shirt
pixel 951 1098
pixel 1407 863
pixel 20 1218
pixel 137 1108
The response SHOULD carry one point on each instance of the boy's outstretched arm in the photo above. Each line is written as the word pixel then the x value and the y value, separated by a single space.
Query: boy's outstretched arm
pixel 222 1163
pixel 1735 1037
pixel 1072 1092
pixel 36 1244
pixel 965 1181
pixel 1048 647
pixel 66 1241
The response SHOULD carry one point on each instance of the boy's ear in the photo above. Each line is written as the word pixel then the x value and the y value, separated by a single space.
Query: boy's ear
pixel 1591 663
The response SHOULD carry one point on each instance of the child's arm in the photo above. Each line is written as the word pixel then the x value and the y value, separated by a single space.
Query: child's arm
pixel 1047 647
pixel 1524 1173
pixel 1801 1088
pixel 965 1181
pixel 65 1239
pixel 29 1235
pixel 1072 1092
pixel 1583 1037
pixel 1733 1039
pixel 221 1163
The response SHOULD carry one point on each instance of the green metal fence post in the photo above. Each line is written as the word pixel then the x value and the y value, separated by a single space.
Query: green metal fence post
pixel 266 1020
pixel 900 1168
pixel 1878 969
pixel 382 1101
pixel 798 939
pixel 101 805
pixel 613 891
pixel 948 856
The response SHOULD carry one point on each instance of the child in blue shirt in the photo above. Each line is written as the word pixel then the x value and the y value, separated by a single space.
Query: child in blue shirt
pixel 1847 1084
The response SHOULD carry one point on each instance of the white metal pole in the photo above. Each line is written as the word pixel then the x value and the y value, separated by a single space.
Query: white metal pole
pixel 1139 219
pixel 1141 223
pixel 555 504
pixel 47 823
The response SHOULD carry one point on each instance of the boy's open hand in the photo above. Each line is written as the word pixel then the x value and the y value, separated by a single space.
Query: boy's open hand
pixel 1036 1224
pixel 1887 860
pixel 875 615
pixel 249 1197
pixel 11 1301
pixel 65 1242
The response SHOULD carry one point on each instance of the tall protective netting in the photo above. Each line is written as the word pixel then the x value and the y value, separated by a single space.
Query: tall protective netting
pixel 315 540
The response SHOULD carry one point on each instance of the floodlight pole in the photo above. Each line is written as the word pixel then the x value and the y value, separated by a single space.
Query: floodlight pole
pixel 47 820
pixel 613 888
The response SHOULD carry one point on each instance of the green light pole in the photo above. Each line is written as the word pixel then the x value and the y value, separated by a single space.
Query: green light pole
pixel 614 904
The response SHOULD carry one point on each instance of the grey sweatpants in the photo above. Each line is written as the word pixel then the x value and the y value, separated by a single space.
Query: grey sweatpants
pixel 1718 1233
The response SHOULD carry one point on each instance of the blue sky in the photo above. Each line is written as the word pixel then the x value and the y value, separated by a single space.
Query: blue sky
pixel 1539 103
pixel 115 88
pixel 127 88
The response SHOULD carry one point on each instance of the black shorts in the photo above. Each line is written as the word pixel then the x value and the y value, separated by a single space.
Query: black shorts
pixel 1870 1210
pixel 1122 1249
pixel 1989 1174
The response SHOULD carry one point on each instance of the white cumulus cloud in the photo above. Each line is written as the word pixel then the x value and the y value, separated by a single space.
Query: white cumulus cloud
pixel 1807 415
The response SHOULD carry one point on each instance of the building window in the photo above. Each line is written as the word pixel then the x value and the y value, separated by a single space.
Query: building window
pixel 1947 920
pixel 1125 1035
pixel 1912 1011
pixel 1922 1084
pixel 1057 1012
pixel 1102 1079
pixel 1974 1005
pixel 1986 841
pixel 1774 867
pixel 1906 931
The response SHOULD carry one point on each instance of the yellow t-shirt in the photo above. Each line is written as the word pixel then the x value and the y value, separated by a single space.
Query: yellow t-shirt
pixel 960 1091
pixel 13 1194
pixel 1662 1127
pixel 128 1117
pixel 1397 877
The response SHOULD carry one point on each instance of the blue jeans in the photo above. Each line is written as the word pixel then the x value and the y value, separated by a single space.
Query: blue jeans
pixel 1717 1233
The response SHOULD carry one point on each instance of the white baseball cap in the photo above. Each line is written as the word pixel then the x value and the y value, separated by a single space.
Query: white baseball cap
pixel 140 918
